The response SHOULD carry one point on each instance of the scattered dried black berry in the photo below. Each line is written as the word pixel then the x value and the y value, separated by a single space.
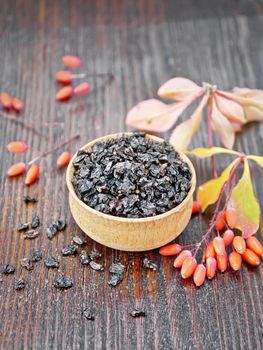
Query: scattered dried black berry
pixel 28 199
pixel 95 266
pixel 7 269
pixel 20 284
pixel 94 255
pixel 63 282
pixel 23 227
pixel 53 228
pixel 35 222
pixel 116 270
pixel 69 250
pixel 52 262
pixel 31 234
pixel 79 241
pixel 36 256
pixel 51 231
pixel 149 264
pixel 88 314
pixel 115 280
pixel 27 263
pixel 61 224
pixel 84 258
pixel 131 176
pixel 137 313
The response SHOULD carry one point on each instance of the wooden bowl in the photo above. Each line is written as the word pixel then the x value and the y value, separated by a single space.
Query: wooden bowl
pixel 127 233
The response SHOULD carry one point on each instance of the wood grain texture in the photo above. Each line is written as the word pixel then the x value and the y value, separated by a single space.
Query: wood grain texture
pixel 143 43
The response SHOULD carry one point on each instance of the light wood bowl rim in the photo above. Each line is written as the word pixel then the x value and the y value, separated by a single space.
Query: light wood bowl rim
pixel 70 170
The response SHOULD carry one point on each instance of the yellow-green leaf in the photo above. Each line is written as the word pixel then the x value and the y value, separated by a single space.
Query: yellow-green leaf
pixel 257 159
pixel 208 193
pixel 208 152
pixel 244 201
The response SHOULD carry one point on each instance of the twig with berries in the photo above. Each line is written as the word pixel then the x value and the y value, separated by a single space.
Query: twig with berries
pixel 236 209
pixel 33 170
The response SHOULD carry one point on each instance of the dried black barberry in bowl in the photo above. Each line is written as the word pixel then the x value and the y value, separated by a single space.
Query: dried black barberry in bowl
pixel 131 191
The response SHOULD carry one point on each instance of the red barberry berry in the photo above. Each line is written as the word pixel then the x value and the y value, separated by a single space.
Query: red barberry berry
pixel 82 88
pixel 171 249
pixel 210 267
pixel 17 147
pixel 188 267
pixel 63 159
pixel 199 275
pixel 220 221
pixel 219 245
pixel 228 237
pixel 16 169
pixel 254 244
pixel 178 262
pixel 196 207
pixel 210 251
pixel 17 104
pixel 32 174
pixel 231 217
pixel 235 260
pixel 64 76
pixel 222 261
pixel 239 244
pixel 6 100
pixel 71 61
pixel 251 258
pixel 64 93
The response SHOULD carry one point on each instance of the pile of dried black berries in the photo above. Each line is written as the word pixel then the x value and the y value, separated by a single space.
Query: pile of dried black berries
pixel 131 176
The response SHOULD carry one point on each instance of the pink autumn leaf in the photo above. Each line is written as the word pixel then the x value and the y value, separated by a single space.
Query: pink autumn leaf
pixel 223 127
pixel 244 201
pixel 154 115
pixel 253 114
pixel 231 110
pixel 179 89
pixel 248 93
pixel 183 133
pixel 243 101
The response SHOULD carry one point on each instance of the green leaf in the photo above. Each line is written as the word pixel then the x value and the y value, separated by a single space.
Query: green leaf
pixel 208 193
pixel 244 201
pixel 208 152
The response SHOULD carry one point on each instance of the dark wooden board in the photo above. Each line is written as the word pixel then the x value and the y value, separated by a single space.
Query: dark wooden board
pixel 143 43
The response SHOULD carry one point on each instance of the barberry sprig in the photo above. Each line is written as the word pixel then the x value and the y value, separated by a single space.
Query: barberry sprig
pixel 67 77
pixel 33 169
pixel 235 208
pixel 227 111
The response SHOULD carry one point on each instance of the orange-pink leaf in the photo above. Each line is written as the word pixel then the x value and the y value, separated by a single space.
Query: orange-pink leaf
pixel 244 101
pixel 154 115
pixel 231 110
pixel 183 133
pixel 249 93
pixel 253 114
pixel 246 205
pixel 179 89
pixel 223 127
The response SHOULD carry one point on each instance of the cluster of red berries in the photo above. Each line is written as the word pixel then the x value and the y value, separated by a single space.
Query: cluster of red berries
pixel 66 77
pixel 32 169
pixel 215 256
pixel 9 102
